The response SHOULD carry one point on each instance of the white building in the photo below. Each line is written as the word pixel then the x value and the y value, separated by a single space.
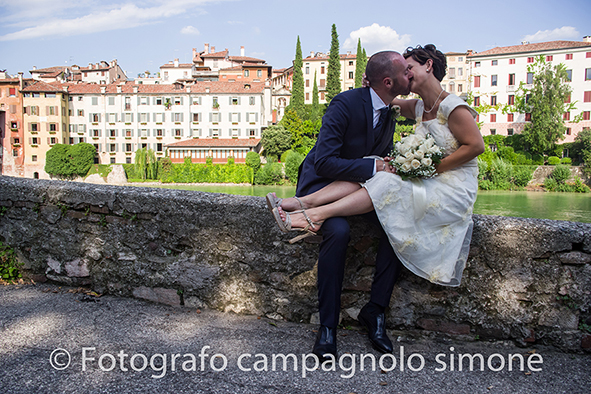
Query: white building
pixel 456 79
pixel 318 63
pixel 122 118
pixel 497 73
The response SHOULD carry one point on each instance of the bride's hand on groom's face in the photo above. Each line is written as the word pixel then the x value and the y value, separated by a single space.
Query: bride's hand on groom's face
pixel 365 81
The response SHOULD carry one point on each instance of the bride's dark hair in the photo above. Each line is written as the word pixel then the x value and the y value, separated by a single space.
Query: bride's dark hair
pixel 422 54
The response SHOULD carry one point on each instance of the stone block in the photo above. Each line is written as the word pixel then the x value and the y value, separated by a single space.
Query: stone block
pixel 575 258
pixel 158 294
pixel 77 268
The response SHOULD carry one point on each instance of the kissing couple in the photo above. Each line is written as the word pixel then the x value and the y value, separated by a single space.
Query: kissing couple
pixel 425 222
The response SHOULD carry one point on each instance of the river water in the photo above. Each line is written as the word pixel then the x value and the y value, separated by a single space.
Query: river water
pixel 556 206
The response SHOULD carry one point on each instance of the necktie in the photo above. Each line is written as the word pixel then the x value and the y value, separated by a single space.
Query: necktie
pixel 383 113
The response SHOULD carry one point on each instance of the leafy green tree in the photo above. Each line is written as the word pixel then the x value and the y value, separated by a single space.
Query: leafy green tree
pixel 545 100
pixel 253 160
pixel 333 77
pixel 82 157
pixel 582 147
pixel 275 141
pixel 360 64
pixel 57 160
pixel 292 165
pixel 297 91
pixel 146 164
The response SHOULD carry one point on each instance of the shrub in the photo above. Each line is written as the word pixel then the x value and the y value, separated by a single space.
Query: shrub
pixel 283 157
pixel 270 174
pixel 230 160
pixel 553 160
pixel 537 159
pixel 482 169
pixel 253 160
pixel 9 265
pixel 550 184
pixel 69 160
pixel 292 165
pixel 580 187
pixel 566 161
pixel 522 175
pixel 560 174
pixel 501 173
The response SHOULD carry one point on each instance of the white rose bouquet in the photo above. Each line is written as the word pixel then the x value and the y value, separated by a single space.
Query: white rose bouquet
pixel 416 157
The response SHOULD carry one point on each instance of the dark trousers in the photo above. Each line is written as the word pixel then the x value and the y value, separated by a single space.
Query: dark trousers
pixel 331 268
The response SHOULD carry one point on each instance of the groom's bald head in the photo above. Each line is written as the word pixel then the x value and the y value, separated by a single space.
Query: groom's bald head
pixel 388 74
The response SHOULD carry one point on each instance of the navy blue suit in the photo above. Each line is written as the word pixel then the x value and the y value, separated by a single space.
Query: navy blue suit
pixel 346 137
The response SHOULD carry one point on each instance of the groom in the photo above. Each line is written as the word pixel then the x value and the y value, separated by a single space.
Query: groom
pixel 357 124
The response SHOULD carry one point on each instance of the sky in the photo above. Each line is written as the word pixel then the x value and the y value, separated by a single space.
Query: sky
pixel 145 34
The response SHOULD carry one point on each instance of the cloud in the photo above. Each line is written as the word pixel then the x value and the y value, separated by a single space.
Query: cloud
pixel 562 33
pixel 235 23
pixel 377 38
pixel 95 17
pixel 190 30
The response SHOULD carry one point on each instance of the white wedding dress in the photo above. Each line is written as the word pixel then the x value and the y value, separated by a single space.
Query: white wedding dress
pixel 429 221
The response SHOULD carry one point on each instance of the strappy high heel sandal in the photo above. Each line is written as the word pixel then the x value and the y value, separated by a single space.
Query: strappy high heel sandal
pixel 274 202
pixel 285 226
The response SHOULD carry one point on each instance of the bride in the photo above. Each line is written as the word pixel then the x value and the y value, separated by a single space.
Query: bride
pixel 428 220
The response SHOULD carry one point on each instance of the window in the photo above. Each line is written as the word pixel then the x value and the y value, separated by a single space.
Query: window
pixel 95 118
pixel 460 71
pixel 127 117
pixel 510 117
pixel 214 117
pixel 159 101
pixel 259 73
pixel 477 81
pixel 113 133
pixel 477 101
pixel 569 75
pixel 247 73
pixel 566 116
pixel 476 64
pixel 34 110
pixel 34 126
pixel 178 101
pixel 493 131
pixel 493 118
pixel 322 83
pixel 459 88
pixel 511 61
pixel 587 73
pixel 144 133
pixel 235 117
pixel 567 131
pixel 234 100
pixel 94 100
pixel 111 118
pixel 530 59
pixel 528 117
pixel 34 95
pixel 128 133
pixel 251 100
pixel 567 99
pixel 586 115
pixel 158 117
pixel 307 70
pixel 51 110
pixel 196 117
pixel 460 59
pixel 34 157
pixel 52 127
pixel 127 103
pixel 493 80
pixel 128 147
pixel 493 100
pixel 530 78
pixel 80 112
pixel 252 132
pixel 321 69
pixel 15 153
pixel 159 147
pixel 235 132
pixel 549 58
pixel 587 97
pixel 494 63
pixel 14 125
pixel 351 75
pixel 588 55
pixel 307 96
pixel 452 87
pixel 195 133
pixel 159 132
pixel 511 79
pixel 307 83
pixel 178 132
pixel 509 131
pixel 111 100
pixel 143 117
pixel 143 101
pixel 177 117
pixel 452 72
pixel 350 62
pixel 569 56
pixel 12 92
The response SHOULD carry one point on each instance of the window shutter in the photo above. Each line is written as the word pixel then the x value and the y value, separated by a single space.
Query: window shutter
pixel 181 100
pixel 210 132
pixel 47 126
pixel 182 113
pixel 30 141
pixel 210 116
pixel 48 141
pixel 13 109
pixel 239 132
pixel 138 100
pixel 239 98
pixel 230 100
pixel 256 117
pixel 248 117
pixel 90 118
pixel 230 116
pixel 47 110
pixel 30 127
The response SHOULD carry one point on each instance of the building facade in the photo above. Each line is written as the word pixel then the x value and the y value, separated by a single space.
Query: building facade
pixel 11 125
pixel 317 64
pixel 497 73
pixel 457 78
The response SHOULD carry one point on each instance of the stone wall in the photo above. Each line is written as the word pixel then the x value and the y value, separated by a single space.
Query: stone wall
pixel 526 280
pixel 543 172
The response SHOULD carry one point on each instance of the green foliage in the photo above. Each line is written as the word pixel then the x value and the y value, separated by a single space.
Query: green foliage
pixel 231 160
pixel 522 175
pixel 9 265
pixel 553 160
pixel 188 172
pixel 546 103
pixel 146 165
pixel 69 160
pixel 297 92
pixel 253 160
pixel 498 174
pixel 550 184
pixel 316 111
pixel 303 133
pixel 582 148
pixel 270 174
pixel 333 77
pixel 360 64
pixel 276 139
pixel 566 161
pixel 561 173
pixel 537 159
pixel 292 165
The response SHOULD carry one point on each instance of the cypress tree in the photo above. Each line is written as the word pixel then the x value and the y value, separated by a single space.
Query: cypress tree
pixel 333 78
pixel 315 103
pixel 361 62
pixel 297 91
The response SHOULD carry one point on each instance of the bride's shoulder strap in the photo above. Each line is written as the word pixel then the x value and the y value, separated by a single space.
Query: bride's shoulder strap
pixel 452 102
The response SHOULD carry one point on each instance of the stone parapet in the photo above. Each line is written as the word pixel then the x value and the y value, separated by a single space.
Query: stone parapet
pixel 526 280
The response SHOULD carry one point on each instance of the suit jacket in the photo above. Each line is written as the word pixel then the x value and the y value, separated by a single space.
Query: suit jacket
pixel 345 138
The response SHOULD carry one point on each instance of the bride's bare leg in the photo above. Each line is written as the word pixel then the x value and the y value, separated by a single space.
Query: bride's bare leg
pixel 356 203
pixel 330 193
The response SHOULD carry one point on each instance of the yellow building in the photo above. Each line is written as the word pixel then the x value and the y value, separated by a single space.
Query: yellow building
pixel 45 118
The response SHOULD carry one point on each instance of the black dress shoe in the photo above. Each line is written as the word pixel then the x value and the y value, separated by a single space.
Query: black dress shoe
pixel 375 324
pixel 326 343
